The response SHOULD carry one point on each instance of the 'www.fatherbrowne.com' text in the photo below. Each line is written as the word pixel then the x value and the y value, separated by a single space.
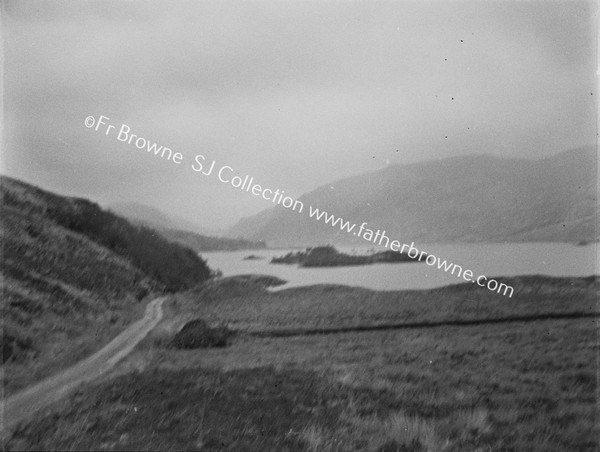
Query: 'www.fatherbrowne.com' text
pixel 380 238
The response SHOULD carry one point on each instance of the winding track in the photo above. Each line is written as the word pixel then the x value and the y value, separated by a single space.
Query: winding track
pixel 25 403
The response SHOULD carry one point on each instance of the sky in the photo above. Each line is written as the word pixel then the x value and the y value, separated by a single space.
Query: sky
pixel 296 94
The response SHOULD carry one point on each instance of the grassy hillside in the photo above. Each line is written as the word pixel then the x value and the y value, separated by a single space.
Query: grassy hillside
pixel 73 276
pixel 521 386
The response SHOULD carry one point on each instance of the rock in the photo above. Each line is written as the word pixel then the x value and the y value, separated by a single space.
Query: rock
pixel 197 334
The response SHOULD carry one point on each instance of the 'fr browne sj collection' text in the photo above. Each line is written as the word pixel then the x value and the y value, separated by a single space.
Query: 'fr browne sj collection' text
pixel 225 173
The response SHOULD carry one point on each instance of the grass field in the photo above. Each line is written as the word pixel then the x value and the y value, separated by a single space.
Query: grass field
pixel 519 386
pixel 244 303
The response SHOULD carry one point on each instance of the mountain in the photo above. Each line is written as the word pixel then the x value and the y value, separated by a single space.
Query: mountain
pixel 460 199
pixel 179 230
pixel 73 276
pixel 154 218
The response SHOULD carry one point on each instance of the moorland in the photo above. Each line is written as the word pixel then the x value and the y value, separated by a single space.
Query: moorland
pixel 520 379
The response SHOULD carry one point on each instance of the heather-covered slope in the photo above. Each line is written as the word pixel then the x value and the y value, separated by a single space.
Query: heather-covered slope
pixel 73 276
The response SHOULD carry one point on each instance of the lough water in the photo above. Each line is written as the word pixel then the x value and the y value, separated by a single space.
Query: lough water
pixel 491 260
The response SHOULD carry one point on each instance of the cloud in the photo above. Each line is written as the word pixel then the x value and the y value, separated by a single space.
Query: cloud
pixel 295 93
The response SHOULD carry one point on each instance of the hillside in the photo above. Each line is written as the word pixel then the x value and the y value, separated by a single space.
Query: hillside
pixel 462 199
pixel 73 275
pixel 181 231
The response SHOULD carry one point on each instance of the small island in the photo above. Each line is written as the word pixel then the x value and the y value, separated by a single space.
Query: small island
pixel 329 256
pixel 252 257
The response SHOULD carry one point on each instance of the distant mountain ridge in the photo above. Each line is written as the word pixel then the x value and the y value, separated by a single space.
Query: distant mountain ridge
pixel 181 231
pixel 459 199
pixel 152 217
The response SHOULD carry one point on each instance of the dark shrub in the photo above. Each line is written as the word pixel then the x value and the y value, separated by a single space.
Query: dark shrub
pixel 141 293
pixel 15 347
pixel 197 334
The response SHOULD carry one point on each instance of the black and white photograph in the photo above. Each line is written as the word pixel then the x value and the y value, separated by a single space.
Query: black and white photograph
pixel 299 225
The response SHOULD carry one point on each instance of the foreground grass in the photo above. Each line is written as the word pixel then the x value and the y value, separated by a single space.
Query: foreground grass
pixel 527 386
pixel 517 388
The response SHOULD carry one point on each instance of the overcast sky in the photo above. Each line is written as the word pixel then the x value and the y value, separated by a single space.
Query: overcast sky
pixel 295 94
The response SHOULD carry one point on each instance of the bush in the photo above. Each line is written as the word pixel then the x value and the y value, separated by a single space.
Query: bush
pixel 141 293
pixel 197 334
pixel 15 347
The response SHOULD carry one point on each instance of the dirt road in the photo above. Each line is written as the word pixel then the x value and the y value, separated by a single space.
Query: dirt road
pixel 23 404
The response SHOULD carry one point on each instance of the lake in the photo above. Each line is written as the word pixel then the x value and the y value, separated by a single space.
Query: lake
pixel 491 260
